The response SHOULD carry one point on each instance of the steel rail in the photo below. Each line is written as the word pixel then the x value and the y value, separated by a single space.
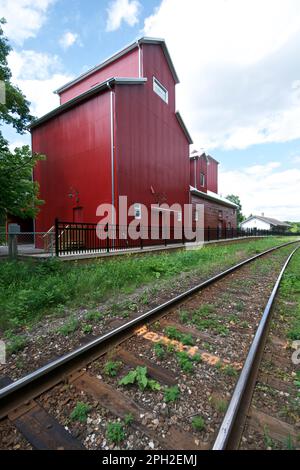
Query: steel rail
pixel 33 379
pixel 232 425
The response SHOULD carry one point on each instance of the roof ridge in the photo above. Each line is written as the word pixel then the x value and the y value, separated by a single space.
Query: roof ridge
pixel 120 53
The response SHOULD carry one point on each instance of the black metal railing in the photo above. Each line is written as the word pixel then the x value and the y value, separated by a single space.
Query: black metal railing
pixel 73 238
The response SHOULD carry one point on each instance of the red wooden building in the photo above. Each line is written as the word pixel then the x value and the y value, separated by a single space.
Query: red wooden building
pixel 117 132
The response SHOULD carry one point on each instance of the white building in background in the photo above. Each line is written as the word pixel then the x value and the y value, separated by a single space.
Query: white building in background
pixel 260 222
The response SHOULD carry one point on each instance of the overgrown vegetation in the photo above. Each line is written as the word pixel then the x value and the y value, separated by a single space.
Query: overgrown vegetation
pixel 16 343
pixel 69 327
pixel 290 294
pixel 185 361
pixel 205 318
pixel 30 290
pixel 173 333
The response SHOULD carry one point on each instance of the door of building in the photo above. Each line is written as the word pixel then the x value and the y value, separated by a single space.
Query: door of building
pixel 77 215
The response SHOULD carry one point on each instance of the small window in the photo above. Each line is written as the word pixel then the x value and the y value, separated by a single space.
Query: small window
pixel 196 216
pixel 179 217
pixel 202 179
pixel 220 214
pixel 160 90
pixel 137 211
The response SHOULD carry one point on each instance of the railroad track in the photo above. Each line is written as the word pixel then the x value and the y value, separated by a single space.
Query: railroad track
pixel 185 355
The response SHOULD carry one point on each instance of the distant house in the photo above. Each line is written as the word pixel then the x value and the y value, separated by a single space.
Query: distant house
pixel 260 222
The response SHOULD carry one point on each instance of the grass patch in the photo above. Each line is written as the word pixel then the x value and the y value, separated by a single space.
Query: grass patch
pixel 185 361
pixel 205 318
pixel 29 290
pixel 93 316
pixel 198 423
pixel 159 350
pixel 115 432
pixel 171 394
pixel 173 333
pixel 111 368
pixel 80 412
pixel 69 327
pixel 16 343
pixel 87 329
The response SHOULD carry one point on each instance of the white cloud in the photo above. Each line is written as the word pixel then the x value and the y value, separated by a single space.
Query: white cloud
pixel 37 75
pixel 238 65
pixel 264 189
pixel 122 10
pixel 68 39
pixel 24 17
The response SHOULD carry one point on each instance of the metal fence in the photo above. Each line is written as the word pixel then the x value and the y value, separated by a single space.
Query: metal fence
pixel 73 238
pixel 29 243
pixel 66 238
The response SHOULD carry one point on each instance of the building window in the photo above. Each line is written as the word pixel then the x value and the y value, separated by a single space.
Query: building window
pixel 196 216
pixel 160 90
pixel 179 217
pixel 202 179
pixel 137 211
pixel 220 214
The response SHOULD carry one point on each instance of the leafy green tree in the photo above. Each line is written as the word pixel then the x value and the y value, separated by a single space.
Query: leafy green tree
pixel 236 200
pixel 295 227
pixel 18 193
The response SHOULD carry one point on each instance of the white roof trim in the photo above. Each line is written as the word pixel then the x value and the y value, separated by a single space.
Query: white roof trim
pixel 184 128
pixel 86 94
pixel 212 196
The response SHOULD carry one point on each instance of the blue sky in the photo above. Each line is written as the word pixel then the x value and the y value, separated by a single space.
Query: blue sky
pixel 239 92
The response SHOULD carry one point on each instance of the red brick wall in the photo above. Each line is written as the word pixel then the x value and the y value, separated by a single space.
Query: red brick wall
pixel 212 217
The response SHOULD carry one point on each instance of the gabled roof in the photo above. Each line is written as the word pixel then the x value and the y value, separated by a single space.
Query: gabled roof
pixel 195 154
pixel 117 55
pixel 213 197
pixel 87 94
pixel 268 220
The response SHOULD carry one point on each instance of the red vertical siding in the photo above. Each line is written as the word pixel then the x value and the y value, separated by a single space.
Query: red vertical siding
pixel 77 146
pixel 125 66
pixel 198 165
pixel 212 175
pixel 151 148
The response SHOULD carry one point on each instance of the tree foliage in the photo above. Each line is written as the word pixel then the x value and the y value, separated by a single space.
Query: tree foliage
pixel 236 200
pixel 18 193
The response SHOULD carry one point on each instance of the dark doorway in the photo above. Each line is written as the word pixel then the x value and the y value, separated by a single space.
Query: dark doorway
pixel 77 215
